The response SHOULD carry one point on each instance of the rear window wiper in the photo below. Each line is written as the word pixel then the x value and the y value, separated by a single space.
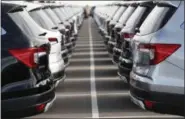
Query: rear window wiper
pixel 163 4
pixel 17 9
pixel 61 23
pixel 43 34
pixel 54 27
pixel 35 9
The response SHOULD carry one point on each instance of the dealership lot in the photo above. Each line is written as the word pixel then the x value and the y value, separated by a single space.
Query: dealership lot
pixel 74 97
pixel 117 60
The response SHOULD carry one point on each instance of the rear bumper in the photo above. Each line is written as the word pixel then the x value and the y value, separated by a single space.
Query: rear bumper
pixel 75 35
pixel 23 103
pixel 124 69
pixel 111 45
pixel 162 102
pixel 59 75
pixel 116 55
pixel 69 47
pixel 65 57
pixel 66 61
pixel 106 40
pixel 122 78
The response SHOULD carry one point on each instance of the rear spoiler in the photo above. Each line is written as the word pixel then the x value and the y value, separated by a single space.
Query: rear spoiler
pixel 168 3
pixel 17 8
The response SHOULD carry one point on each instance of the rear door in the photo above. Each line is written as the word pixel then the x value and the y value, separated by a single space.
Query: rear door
pixel 173 33
pixel 35 34
pixel 12 70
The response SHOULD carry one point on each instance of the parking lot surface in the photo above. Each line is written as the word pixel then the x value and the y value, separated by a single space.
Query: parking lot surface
pixel 92 88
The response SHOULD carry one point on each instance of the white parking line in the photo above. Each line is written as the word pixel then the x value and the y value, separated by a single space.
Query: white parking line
pixel 87 53
pixel 87 59
pixel 67 116
pixel 144 117
pixel 103 67
pixel 94 103
pixel 86 94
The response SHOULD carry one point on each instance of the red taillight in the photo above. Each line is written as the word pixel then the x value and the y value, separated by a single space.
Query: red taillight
pixel 158 52
pixel 128 35
pixel 149 104
pixel 40 108
pixel 53 39
pixel 26 55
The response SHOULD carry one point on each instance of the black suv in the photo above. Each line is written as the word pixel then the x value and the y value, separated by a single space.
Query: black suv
pixel 25 83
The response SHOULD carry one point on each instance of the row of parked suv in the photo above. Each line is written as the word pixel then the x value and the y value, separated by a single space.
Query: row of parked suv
pixel 146 41
pixel 37 43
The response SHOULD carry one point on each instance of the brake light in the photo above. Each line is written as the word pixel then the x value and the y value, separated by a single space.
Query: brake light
pixel 27 55
pixel 40 108
pixel 158 52
pixel 149 104
pixel 128 35
pixel 53 39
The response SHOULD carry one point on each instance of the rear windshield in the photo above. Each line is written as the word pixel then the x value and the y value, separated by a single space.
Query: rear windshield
pixel 156 19
pixel 26 23
pixel 58 13
pixel 126 14
pixel 114 10
pixel 42 19
pixel 52 15
pixel 64 13
pixel 119 13
pixel 139 15
pixel 134 18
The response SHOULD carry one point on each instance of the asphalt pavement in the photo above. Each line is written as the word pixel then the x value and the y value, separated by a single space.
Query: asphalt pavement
pixel 92 88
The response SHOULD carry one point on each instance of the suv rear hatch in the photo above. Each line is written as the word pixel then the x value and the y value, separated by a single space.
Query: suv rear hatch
pixel 36 34
pixel 133 23
pixel 28 51
pixel 145 53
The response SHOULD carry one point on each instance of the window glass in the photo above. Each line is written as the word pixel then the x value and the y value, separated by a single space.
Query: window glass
pixel 58 13
pixel 26 23
pixel 135 17
pixel 156 19
pixel 42 19
pixel 119 13
pixel 65 12
pixel 126 15
pixel 52 15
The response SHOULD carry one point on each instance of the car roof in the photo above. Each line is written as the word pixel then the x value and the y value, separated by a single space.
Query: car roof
pixel 174 3
pixel 8 6
pixel 32 6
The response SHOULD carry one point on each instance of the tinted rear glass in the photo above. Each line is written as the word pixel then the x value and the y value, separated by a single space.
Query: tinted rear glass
pixel 52 15
pixel 119 13
pixel 64 13
pixel 26 23
pixel 134 18
pixel 58 13
pixel 156 19
pixel 42 19
pixel 126 15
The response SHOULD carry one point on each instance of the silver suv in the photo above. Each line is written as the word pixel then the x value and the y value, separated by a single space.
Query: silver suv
pixel 157 77
pixel 122 52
